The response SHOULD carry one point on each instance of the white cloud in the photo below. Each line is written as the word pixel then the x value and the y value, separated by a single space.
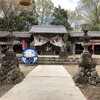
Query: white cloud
pixel 66 4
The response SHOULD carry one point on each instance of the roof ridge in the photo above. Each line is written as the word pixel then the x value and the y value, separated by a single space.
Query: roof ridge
pixel 48 25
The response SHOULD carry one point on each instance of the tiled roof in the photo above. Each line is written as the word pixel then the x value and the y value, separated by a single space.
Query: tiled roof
pixel 17 34
pixel 80 33
pixel 48 29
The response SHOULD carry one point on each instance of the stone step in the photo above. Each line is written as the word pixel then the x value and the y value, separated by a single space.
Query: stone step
pixel 58 60
pixel 54 61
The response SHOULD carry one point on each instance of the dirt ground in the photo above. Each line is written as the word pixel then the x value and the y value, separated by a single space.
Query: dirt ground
pixel 90 92
pixel 25 69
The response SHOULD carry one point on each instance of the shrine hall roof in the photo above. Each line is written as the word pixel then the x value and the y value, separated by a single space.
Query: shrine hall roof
pixel 81 33
pixel 16 34
pixel 48 29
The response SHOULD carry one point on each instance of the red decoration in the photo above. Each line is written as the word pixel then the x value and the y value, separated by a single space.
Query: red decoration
pixel 3 42
pixel 23 44
pixel 39 39
pixel 75 44
pixel 93 45
pixel 57 40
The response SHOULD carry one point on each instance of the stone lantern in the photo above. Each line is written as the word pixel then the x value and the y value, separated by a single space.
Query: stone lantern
pixel 10 54
pixel 86 73
pixel 10 40
pixel 9 70
pixel 86 41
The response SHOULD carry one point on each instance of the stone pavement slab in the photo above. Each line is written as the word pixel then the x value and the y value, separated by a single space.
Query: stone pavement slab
pixel 46 82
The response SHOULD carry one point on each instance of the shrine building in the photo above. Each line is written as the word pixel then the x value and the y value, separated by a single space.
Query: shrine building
pixel 76 42
pixel 48 40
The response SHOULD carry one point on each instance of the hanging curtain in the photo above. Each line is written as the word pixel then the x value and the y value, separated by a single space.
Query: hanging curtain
pixel 40 40
pixel 57 41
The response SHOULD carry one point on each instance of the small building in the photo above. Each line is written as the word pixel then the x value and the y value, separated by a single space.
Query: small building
pixel 48 40
pixel 21 41
pixel 76 42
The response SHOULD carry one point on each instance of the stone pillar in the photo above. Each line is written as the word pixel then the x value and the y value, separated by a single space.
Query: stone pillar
pixel 63 51
pixel 73 48
pixel 86 73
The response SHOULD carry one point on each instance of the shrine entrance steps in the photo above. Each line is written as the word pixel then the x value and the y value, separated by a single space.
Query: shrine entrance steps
pixel 56 60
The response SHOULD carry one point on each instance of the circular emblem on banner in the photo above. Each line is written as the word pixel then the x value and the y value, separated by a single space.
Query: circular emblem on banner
pixel 29 56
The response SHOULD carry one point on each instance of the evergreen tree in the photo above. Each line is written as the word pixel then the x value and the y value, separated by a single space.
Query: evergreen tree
pixel 60 17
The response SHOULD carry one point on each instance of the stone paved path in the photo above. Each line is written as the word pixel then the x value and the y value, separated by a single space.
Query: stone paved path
pixel 46 82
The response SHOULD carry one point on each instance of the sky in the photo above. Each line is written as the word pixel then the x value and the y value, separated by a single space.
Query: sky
pixel 66 4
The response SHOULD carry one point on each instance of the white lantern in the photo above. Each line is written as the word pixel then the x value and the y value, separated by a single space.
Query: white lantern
pixel 25 2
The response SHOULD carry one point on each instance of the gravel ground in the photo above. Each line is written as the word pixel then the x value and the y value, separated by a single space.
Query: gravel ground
pixel 90 92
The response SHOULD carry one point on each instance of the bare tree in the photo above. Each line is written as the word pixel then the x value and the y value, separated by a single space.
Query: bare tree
pixel 90 11
pixel 9 9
